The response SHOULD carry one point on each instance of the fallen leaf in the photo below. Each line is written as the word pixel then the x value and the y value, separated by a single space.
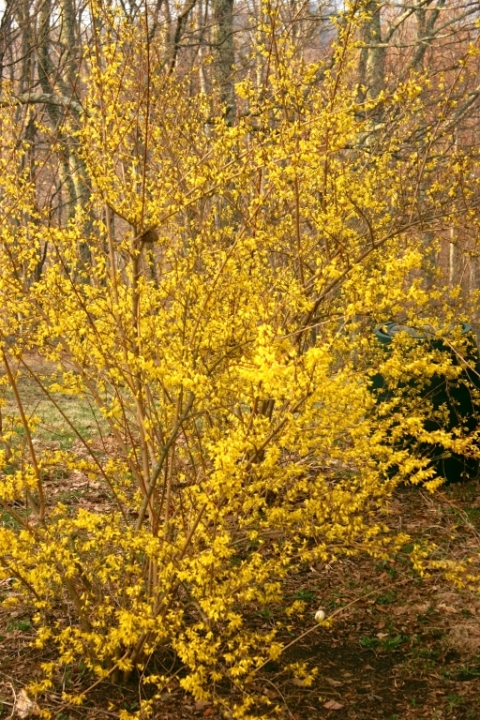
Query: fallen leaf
pixel 24 707
pixel 201 704
pixel 332 705
pixel 447 608
pixel 334 683
pixel 421 607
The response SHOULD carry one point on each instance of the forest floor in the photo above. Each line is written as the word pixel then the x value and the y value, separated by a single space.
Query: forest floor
pixel 401 646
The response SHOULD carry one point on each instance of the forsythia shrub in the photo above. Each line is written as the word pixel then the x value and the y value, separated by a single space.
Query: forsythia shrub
pixel 223 331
